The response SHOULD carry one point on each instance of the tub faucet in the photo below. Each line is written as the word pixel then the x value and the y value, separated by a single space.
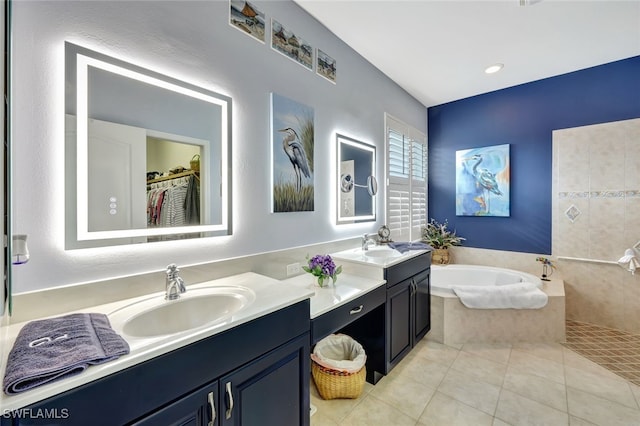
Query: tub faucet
pixel 174 283
pixel 366 239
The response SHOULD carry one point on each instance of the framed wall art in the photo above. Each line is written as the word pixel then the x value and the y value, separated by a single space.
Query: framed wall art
pixel 291 45
pixel 482 181
pixel 326 66
pixel 247 18
pixel 292 142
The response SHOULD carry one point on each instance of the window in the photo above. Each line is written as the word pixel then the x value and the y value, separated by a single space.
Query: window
pixel 406 168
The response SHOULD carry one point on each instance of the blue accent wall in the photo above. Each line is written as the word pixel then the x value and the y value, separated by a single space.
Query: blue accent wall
pixel 524 117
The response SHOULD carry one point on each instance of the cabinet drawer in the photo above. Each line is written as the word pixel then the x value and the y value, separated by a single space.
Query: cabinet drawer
pixel 400 272
pixel 339 317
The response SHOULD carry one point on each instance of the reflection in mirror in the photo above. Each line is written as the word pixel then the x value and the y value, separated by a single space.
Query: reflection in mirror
pixel 147 156
pixel 357 184
pixel 347 184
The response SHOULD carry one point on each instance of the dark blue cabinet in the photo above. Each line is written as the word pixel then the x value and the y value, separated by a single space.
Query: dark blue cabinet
pixel 264 392
pixel 197 409
pixel 266 362
pixel 408 307
pixel 399 318
pixel 421 305
pixel 270 391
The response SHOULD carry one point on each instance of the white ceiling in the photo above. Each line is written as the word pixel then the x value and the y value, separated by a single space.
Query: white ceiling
pixel 438 50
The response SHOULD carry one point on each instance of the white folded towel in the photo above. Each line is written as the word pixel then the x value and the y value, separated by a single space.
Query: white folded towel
pixel 629 261
pixel 523 295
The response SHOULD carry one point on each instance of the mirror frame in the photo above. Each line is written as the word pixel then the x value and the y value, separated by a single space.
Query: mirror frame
pixel 78 60
pixel 340 140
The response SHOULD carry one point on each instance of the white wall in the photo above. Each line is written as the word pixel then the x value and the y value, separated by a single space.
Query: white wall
pixel 191 41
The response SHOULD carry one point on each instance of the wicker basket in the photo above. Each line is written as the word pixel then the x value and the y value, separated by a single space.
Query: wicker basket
pixel 195 163
pixel 333 384
pixel 440 257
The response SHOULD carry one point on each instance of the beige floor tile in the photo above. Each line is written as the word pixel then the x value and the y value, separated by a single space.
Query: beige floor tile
pixel 406 395
pixel 480 368
pixel 436 351
pixel 375 412
pixel 578 361
pixel 368 387
pixel 333 409
pixel 320 419
pixel 429 373
pixel 550 351
pixel 480 395
pixel 616 390
pixel 635 389
pixel 519 383
pixel 518 410
pixel 444 410
pixel 497 352
pixel 537 388
pixel 600 411
pixel 576 421
pixel 530 364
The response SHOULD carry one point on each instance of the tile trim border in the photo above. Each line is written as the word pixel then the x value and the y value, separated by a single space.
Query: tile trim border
pixel 633 193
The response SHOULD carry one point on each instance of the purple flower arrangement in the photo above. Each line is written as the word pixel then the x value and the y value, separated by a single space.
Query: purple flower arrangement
pixel 322 267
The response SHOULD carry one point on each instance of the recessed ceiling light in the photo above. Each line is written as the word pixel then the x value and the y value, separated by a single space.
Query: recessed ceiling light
pixel 493 68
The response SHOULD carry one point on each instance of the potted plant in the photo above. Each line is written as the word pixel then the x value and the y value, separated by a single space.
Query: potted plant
pixel 440 238
pixel 323 268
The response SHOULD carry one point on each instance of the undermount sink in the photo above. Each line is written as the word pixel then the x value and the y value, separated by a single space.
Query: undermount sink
pixel 381 252
pixel 196 308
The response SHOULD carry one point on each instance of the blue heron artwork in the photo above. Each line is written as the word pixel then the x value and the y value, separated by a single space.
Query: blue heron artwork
pixel 482 181
pixel 292 136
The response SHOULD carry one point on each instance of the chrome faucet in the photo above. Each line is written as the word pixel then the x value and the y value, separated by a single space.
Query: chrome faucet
pixel 366 239
pixel 174 283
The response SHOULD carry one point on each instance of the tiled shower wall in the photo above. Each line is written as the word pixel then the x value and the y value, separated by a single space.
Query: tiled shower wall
pixel 596 217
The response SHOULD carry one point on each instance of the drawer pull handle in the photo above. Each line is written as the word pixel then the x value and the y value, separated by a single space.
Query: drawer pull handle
pixel 229 400
pixel 356 310
pixel 212 406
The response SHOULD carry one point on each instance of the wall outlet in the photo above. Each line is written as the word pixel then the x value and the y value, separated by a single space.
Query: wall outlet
pixel 293 269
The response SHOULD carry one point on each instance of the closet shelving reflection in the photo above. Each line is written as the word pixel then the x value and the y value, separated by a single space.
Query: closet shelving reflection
pixel 174 200
pixel 175 176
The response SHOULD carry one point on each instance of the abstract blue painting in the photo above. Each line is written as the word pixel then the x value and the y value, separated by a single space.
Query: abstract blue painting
pixel 482 181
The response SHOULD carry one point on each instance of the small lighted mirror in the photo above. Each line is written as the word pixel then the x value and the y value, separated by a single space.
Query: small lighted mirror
pixel 147 156
pixel 357 185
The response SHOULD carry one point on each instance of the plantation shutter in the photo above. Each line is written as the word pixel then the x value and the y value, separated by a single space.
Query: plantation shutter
pixel 406 180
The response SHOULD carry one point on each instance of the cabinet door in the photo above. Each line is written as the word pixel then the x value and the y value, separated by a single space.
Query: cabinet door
pixel 399 321
pixel 199 408
pixel 422 305
pixel 270 391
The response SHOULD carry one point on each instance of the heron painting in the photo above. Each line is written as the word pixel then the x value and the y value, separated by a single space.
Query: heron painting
pixel 482 181
pixel 292 144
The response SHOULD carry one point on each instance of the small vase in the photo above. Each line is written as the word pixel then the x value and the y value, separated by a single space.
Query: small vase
pixel 440 256
pixel 319 282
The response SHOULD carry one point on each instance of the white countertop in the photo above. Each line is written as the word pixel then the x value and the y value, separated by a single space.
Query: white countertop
pixel 381 256
pixel 348 287
pixel 271 296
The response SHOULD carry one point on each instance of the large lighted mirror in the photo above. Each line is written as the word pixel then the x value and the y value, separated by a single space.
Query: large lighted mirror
pixel 357 185
pixel 147 156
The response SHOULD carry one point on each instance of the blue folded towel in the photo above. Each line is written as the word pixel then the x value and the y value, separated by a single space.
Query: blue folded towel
pixel 405 247
pixel 56 348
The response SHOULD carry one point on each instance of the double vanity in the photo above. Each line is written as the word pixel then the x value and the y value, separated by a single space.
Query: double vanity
pixel 234 350
pixel 237 350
